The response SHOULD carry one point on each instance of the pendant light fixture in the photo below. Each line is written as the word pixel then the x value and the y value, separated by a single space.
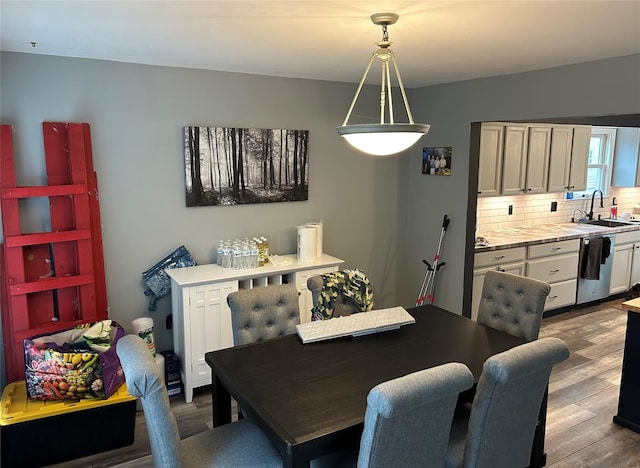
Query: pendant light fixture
pixel 383 139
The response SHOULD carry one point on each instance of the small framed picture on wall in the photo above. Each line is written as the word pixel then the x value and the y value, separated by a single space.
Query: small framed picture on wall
pixel 436 161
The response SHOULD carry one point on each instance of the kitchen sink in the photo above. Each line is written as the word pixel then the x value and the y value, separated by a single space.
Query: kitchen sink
pixel 608 222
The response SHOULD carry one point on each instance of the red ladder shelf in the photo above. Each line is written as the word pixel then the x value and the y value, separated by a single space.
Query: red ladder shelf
pixel 51 280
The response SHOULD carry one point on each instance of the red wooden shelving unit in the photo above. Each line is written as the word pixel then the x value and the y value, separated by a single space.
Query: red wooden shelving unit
pixel 51 280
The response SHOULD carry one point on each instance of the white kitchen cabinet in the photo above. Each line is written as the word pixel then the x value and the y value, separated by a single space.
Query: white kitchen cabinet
pixel 490 165
pixel 621 268
pixel 560 158
pixel 625 265
pixel 514 160
pixel 635 265
pixel 202 318
pixel 626 162
pixel 518 159
pixel 507 260
pixel 555 263
pixel 579 158
pixel 538 150
pixel 569 158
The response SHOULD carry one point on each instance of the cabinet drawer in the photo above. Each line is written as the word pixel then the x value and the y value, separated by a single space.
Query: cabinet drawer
pixel 554 269
pixel 553 248
pixel 497 257
pixel 561 294
pixel 627 237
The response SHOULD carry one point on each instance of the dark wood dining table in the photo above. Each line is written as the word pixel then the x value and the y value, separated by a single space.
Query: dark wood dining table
pixel 310 399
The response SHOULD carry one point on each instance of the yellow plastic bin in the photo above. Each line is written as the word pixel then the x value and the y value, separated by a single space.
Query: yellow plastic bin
pixel 36 433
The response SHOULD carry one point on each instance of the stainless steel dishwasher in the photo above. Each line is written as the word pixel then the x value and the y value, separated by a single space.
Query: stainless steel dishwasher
pixel 594 289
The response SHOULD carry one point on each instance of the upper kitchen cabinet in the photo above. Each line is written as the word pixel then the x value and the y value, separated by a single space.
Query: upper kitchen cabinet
pixel 568 158
pixel 490 167
pixel 626 169
pixel 579 158
pixel 518 159
pixel 538 151
pixel 514 159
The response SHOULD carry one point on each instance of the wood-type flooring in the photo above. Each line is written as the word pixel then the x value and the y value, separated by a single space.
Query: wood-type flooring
pixel 583 398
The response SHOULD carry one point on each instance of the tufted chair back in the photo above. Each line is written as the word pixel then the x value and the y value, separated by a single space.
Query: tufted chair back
pixel 513 304
pixel 263 313
pixel 408 419
pixel 499 430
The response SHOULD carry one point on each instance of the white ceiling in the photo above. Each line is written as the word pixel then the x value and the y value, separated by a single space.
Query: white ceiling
pixel 434 41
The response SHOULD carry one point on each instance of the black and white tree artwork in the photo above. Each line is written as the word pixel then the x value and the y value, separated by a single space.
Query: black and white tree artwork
pixel 233 166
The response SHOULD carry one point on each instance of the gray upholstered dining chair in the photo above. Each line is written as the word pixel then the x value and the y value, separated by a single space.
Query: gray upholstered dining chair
pixel 513 304
pixel 239 444
pixel 407 420
pixel 498 430
pixel 263 313
pixel 339 293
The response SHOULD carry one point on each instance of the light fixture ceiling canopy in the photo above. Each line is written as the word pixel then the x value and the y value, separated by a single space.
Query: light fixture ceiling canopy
pixel 383 138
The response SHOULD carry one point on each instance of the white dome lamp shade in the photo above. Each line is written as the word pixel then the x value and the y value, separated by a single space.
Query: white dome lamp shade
pixel 383 139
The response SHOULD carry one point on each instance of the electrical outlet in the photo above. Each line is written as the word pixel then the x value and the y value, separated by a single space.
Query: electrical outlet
pixel 510 209
pixel 554 206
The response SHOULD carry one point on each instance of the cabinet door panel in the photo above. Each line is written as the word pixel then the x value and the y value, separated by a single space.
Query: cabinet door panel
pixel 490 165
pixel 210 325
pixel 635 265
pixel 560 159
pixel 621 268
pixel 514 160
pixel 498 257
pixel 561 294
pixel 538 159
pixel 579 158
pixel 554 269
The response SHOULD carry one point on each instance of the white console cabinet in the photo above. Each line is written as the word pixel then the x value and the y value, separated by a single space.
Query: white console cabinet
pixel 201 316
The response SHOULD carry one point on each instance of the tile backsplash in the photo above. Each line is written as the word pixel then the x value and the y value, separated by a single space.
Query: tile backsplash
pixel 493 212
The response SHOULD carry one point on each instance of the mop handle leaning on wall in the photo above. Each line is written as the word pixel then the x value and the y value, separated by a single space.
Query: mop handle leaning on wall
pixel 428 283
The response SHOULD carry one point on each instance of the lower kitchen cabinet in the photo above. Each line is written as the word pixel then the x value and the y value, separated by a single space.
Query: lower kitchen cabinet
pixel 202 318
pixel 507 260
pixel 562 294
pixel 554 262
pixel 557 264
pixel 625 266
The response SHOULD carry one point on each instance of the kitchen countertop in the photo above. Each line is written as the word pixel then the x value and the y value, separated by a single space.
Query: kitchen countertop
pixel 530 235
pixel 633 305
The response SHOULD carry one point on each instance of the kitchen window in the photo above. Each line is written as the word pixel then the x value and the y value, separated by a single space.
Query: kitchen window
pixel 600 161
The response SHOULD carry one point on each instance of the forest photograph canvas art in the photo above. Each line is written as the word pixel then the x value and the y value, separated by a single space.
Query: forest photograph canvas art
pixel 234 166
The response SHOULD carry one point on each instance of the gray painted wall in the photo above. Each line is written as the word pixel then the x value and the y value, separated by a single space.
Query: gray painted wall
pixel 137 113
pixel 594 88
pixel 374 210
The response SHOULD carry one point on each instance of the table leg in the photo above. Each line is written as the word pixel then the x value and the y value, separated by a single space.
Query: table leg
pixel 221 402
